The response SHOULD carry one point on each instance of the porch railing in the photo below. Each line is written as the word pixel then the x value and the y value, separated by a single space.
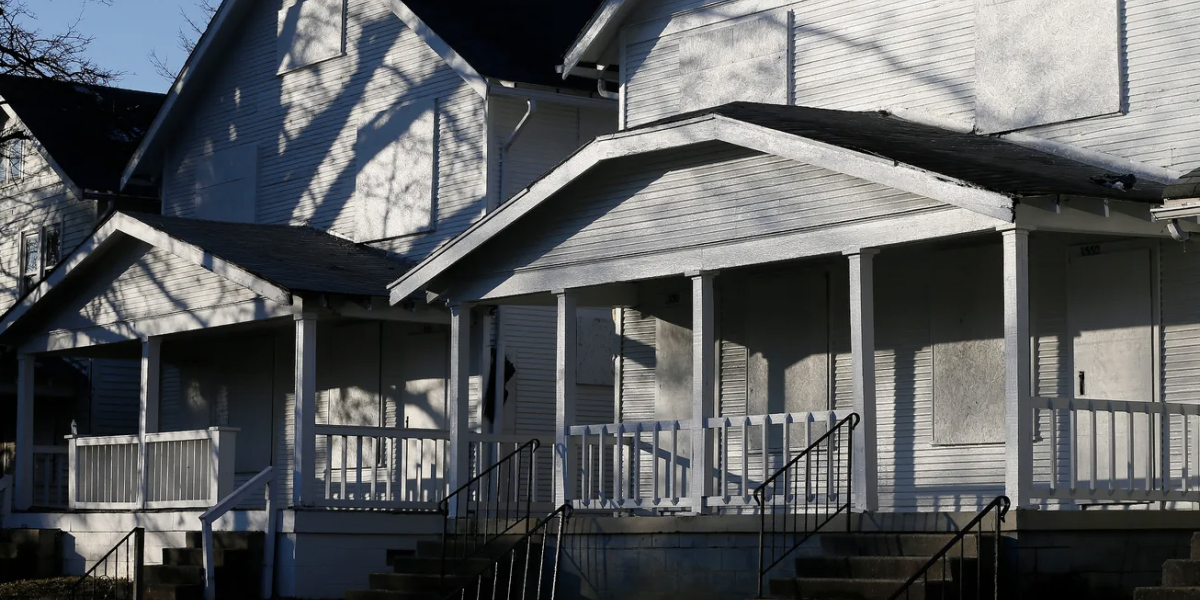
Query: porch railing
pixel 51 473
pixel 647 464
pixel 181 469
pixel 1115 450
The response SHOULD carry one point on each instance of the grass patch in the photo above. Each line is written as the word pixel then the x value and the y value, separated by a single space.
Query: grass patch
pixel 59 588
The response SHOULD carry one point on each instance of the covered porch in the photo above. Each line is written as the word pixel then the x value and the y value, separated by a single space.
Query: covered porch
pixel 1000 321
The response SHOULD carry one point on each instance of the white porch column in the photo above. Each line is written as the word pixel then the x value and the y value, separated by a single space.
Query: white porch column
pixel 862 357
pixel 704 402
pixel 458 399
pixel 1018 418
pixel 148 406
pixel 564 386
pixel 23 469
pixel 304 468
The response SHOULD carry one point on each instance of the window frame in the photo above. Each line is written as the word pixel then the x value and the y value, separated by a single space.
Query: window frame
pixel 29 279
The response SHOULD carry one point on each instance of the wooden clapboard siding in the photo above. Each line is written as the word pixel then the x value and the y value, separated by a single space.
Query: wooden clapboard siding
pixel 711 194
pixel 920 55
pixel 116 393
pixel 138 281
pixel 305 122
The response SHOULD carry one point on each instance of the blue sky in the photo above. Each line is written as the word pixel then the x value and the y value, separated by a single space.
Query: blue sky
pixel 125 33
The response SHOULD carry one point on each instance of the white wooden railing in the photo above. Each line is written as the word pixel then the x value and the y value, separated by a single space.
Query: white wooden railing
pixel 1114 450
pixel 641 464
pixel 487 448
pixel 382 467
pixel 262 482
pixel 51 472
pixel 180 469
pixel 741 467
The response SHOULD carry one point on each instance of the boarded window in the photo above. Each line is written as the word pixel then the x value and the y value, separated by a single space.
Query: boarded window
pixel 310 31
pixel 967 321
pixel 394 188
pixel 596 345
pixel 226 182
pixel 1046 61
pixel 746 61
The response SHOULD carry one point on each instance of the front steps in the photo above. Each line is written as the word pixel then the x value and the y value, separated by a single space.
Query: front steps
pixel 872 566
pixel 238 568
pixel 1180 578
pixel 30 554
pixel 417 575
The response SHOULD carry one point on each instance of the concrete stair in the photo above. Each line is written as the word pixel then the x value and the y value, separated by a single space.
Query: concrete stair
pixel 873 566
pixel 237 565
pixel 1180 578
pixel 30 554
pixel 416 575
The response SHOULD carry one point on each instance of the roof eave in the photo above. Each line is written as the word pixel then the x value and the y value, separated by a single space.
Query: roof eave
pixel 598 33
pixel 452 58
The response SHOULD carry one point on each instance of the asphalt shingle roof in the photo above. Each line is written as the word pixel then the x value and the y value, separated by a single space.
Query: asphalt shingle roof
pixel 989 162
pixel 294 257
pixel 90 130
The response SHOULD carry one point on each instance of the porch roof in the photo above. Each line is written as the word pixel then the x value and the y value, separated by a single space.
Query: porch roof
pixel 985 175
pixel 272 261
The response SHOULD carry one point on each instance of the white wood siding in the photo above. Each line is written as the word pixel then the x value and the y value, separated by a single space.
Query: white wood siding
pixel 305 124
pixel 920 54
pixel 116 393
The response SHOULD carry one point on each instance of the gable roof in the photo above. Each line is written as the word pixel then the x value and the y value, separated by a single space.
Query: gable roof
pixel 598 34
pixel 978 173
pixel 479 32
pixel 272 260
pixel 89 130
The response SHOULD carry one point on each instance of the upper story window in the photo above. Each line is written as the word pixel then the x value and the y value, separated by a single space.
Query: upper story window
pixel 12 161
pixel 41 251
pixel 309 32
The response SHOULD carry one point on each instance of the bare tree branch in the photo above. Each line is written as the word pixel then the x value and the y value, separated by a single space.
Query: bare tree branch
pixel 186 37
pixel 29 52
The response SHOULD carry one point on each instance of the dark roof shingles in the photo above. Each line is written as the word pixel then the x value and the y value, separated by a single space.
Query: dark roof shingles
pixel 294 257
pixel 988 162
pixel 514 40
pixel 91 131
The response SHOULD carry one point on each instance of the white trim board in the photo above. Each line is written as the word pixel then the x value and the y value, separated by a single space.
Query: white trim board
pixel 453 59
pixel 121 225
pixel 698 130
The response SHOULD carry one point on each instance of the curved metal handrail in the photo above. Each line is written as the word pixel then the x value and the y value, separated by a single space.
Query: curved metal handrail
pixel 562 513
pixel 1001 504
pixel 444 503
pixel 134 561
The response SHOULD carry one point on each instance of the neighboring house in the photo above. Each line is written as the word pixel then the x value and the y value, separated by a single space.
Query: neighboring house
pixel 310 153
pixel 935 215
pixel 60 174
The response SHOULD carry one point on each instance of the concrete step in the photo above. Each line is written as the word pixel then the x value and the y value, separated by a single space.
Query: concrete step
pixel 1167 593
pixel 174 575
pixel 194 557
pixel 414 564
pixel 468 547
pixel 1195 553
pixel 8 550
pixel 413 582
pixel 841 589
pixel 169 591
pixel 896 544
pixel 882 567
pixel 389 595
pixel 1181 573
pixel 229 540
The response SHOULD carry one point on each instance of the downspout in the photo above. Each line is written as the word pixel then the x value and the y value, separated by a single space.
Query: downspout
pixel 1177 232
pixel 530 108
pixel 604 93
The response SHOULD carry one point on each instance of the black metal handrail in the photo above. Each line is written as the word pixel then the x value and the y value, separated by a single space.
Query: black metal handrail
pixel 1000 507
pixel 479 518
pixel 795 517
pixel 114 577
pixel 511 560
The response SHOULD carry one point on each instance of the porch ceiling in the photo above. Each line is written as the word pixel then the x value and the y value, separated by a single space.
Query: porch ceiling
pixel 983 176
pixel 141 275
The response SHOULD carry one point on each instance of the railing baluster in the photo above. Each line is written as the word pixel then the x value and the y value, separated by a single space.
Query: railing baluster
pixel 342 467
pixel 1129 433
pixel 1053 417
pixel 655 492
pixel 1095 441
pixel 746 457
pixel 618 466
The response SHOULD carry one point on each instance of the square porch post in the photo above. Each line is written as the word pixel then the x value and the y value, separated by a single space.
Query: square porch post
pixel 458 398
pixel 148 404
pixel 865 472
pixel 704 365
pixel 1018 418
pixel 23 469
pixel 304 468
pixel 564 386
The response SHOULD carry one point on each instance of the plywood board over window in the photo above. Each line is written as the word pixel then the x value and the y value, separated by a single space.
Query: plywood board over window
pixel 967 323
pixel 746 61
pixel 396 157
pixel 309 32
pixel 226 184
pixel 1046 61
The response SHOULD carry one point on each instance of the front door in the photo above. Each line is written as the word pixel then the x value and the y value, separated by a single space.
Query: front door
pixel 1110 314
